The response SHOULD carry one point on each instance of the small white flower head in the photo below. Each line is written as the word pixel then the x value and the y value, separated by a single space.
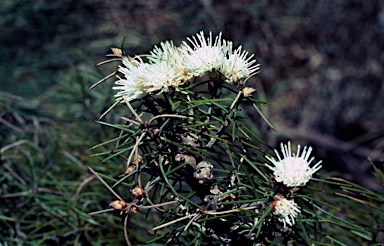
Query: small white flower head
pixel 173 58
pixel 293 170
pixel 238 64
pixel 142 78
pixel 130 86
pixel 159 77
pixel 169 66
pixel 166 52
pixel 286 210
pixel 205 56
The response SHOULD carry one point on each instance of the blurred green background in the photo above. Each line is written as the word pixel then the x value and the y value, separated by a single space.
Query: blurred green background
pixel 321 73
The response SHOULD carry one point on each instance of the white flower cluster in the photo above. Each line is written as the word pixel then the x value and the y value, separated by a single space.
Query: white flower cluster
pixel 286 210
pixel 293 170
pixel 169 66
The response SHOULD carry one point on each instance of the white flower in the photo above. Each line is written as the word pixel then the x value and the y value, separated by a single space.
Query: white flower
pixel 238 64
pixel 169 66
pixel 159 77
pixel 293 170
pixel 205 56
pixel 173 58
pixel 142 78
pixel 130 87
pixel 166 52
pixel 286 210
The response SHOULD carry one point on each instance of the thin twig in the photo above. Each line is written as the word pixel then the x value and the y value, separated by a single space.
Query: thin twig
pixel 155 206
pixel 150 184
pixel 147 189
pixel 251 75
pixel 29 192
pixel 137 167
pixel 20 179
pixel 101 211
pixel 232 210
pixel 262 116
pixel 205 212
pixel 81 186
pixel 236 99
pixel 105 184
pixel 129 125
pixel 167 115
pixel 158 205
pixel 134 148
pixel 191 221
pixel 9 146
pixel 130 121
pixel 132 110
pixel 109 109
pixel 350 197
pixel 196 217
pixel 17 129
pixel 102 80
pixel 191 112
pixel 234 106
pixel 173 221
pixel 108 61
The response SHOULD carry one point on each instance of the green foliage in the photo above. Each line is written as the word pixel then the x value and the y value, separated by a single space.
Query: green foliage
pixel 47 117
pixel 169 143
pixel 45 186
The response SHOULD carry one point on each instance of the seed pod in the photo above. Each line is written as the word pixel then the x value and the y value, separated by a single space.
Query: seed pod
pixel 138 192
pixel 203 171
pixel 119 205
pixel 135 209
pixel 181 158
pixel 191 139
pixel 235 78
pixel 247 91
pixel 138 160
pixel 130 169
pixel 117 52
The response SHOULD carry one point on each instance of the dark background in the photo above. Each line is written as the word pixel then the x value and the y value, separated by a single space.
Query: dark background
pixel 321 70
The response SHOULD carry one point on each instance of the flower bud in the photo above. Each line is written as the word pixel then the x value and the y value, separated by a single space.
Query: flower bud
pixel 235 78
pixel 247 91
pixel 117 52
pixel 119 205
pixel 138 192
pixel 130 169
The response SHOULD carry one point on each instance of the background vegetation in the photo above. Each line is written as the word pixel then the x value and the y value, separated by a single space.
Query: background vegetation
pixel 321 72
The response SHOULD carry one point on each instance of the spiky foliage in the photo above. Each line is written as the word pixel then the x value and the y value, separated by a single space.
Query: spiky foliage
pixel 190 159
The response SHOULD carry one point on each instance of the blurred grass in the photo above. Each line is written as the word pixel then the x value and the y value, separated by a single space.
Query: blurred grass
pixel 46 189
pixel 47 126
pixel 44 153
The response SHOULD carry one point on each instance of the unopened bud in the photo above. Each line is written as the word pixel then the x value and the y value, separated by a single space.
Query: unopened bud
pixel 135 209
pixel 138 160
pixel 132 61
pixel 130 169
pixel 235 78
pixel 117 52
pixel 119 205
pixel 247 91
pixel 138 192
